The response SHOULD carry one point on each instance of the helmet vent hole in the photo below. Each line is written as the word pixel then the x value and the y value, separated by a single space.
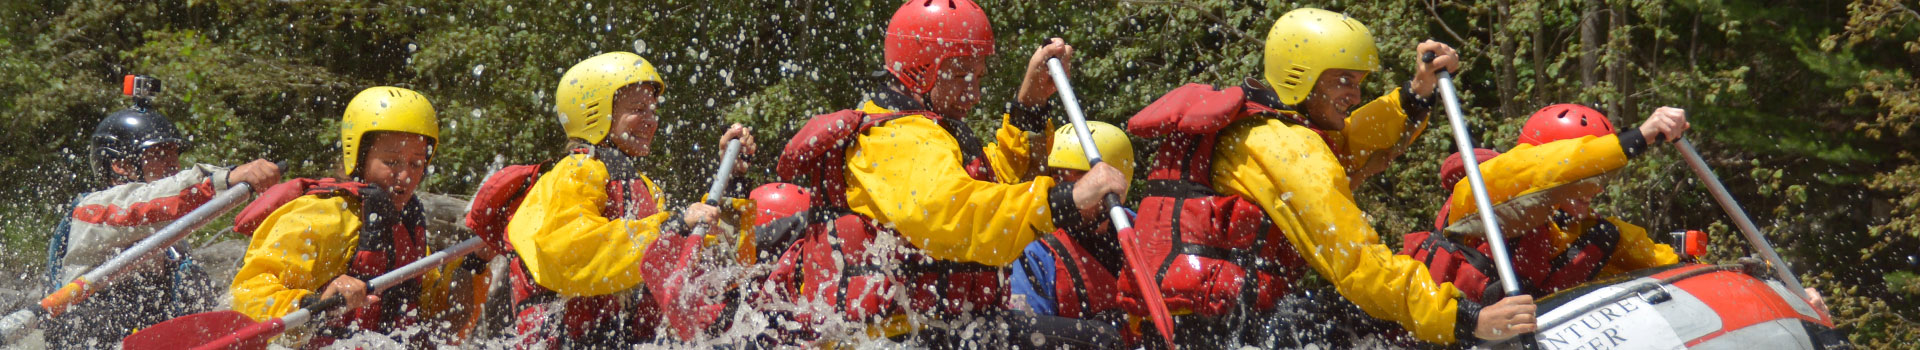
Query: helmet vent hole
pixel 1583 120
pixel 1295 75
pixel 1563 114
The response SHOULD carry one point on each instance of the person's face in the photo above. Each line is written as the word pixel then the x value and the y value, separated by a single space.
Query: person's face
pixel 155 163
pixel 1333 98
pixel 396 161
pixel 634 119
pixel 957 88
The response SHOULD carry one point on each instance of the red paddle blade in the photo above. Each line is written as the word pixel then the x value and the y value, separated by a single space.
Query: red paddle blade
pixel 254 337
pixel 1156 304
pixel 187 331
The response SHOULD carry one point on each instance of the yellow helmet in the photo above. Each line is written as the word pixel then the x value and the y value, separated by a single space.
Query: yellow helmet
pixel 1308 41
pixel 585 96
pixel 1115 148
pixel 384 108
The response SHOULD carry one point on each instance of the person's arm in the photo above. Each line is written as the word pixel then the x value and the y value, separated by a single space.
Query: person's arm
pixel 1381 131
pixel 907 173
pixel 1527 169
pixel 1636 250
pixel 1021 143
pixel 298 250
pixel 567 245
pixel 108 221
pixel 1304 190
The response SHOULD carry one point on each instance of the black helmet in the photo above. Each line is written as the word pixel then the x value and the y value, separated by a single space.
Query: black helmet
pixel 125 133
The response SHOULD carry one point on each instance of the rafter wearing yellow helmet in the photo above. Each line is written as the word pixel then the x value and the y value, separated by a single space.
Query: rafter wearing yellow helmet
pixel 311 247
pixel 582 229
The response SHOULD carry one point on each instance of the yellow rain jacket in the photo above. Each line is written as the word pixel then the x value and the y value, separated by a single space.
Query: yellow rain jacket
pixel 303 246
pixel 907 174
pixel 1306 187
pixel 1528 169
pixel 564 241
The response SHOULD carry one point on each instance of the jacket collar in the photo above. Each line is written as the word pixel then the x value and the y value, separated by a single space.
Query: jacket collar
pixel 1259 94
pixel 889 95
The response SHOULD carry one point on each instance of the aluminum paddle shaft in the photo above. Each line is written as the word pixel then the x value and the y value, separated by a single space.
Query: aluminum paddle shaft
pixel 720 178
pixel 1498 242
pixel 17 324
pixel 1085 136
pixel 1123 225
pixel 1740 218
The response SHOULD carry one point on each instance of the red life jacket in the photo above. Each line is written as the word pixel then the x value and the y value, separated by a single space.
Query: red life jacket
pixel 390 237
pixel 1216 253
pixel 1090 291
pixel 498 199
pixel 826 260
pixel 609 319
pixel 1471 269
pixel 816 158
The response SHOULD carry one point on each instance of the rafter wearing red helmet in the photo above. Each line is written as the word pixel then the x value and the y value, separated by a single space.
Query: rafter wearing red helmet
pixel 1551 175
pixel 906 160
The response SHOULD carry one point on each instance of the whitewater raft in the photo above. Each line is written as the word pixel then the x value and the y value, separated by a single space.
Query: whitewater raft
pixel 1685 306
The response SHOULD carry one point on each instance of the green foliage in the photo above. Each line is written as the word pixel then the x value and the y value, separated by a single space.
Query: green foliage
pixel 1806 108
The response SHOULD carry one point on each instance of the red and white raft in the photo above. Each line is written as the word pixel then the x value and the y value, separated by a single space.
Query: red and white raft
pixel 1686 306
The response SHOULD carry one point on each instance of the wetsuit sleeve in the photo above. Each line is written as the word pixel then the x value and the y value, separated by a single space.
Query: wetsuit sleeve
pixel 106 222
pixel 1291 173
pixel 907 173
pixel 298 249
pixel 567 245
pixel 1380 131
pixel 1527 169
pixel 1636 250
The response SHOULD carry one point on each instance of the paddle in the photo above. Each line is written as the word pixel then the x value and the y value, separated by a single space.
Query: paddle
pixel 17 325
pixel 233 330
pixel 1495 240
pixel 1740 218
pixel 1156 304
pixel 664 259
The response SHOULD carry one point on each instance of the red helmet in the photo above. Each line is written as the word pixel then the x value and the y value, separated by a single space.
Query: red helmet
pixel 1454 168
pixel 923 32
pixel 778 200
pixel 1564 121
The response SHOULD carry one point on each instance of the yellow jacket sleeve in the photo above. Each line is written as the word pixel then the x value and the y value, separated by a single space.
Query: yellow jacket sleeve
pixel 567 245
pixel 907 174
pixel 1012 153
pixel 297 251
pixel 1295 177
pixel 1527 169
pixel 1376 133
pixel 1636 250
